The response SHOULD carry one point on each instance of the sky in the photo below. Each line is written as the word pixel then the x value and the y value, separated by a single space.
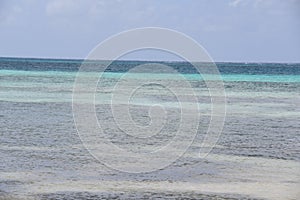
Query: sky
pixel 230 30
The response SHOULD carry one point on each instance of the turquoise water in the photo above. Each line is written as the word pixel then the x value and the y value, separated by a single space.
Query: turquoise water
pixel 43 158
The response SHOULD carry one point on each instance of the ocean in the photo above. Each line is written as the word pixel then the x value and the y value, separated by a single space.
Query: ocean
pixel 257 155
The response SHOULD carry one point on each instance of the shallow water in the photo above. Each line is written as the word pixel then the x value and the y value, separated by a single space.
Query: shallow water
pixel 256 157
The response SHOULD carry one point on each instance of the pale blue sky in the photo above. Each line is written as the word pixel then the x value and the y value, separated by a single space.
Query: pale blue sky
pixel 230 30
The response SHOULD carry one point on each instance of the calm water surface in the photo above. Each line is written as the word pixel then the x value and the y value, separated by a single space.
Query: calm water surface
pixel 256 157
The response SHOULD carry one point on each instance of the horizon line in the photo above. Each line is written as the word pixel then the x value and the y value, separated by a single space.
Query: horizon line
pixel 141 60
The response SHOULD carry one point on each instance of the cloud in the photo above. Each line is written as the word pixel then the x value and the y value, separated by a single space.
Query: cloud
pixel 235 3
pixel 113 14
pixel 65 7
pixel 251 3
pixel 9 11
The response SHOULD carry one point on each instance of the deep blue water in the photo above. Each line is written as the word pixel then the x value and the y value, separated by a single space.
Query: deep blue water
pixel 32 64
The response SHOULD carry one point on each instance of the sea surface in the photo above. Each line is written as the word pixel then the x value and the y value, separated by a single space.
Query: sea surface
pixel 257 156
